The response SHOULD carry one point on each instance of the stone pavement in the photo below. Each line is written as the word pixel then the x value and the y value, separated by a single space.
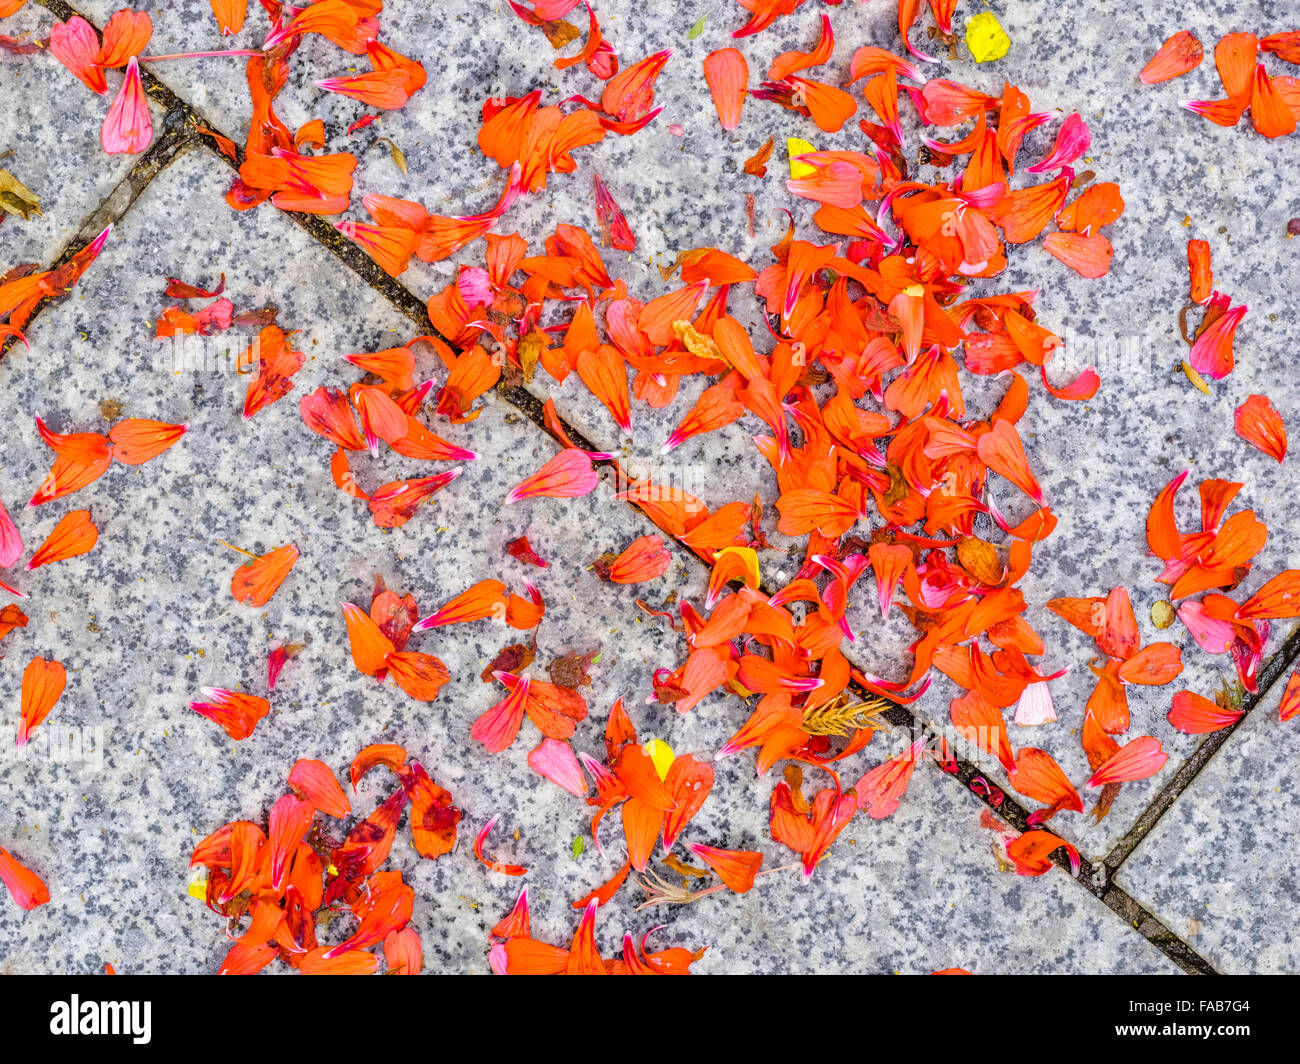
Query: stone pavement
pixel 1192 870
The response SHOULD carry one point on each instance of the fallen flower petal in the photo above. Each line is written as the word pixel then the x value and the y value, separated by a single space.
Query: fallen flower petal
pixel 494 866
pixel 1196 715
pixel 26 888
pixel 138 440
pixel 74 535
pixel 568 475
pixel 256 582
pixel 1136 760
pixel 1258 423
pixel 128 127
pixel 1179 54
pixel 11 543
pixel 736 868
pixel 555 760
pixel 43 684
pixel 727 75
pixel 237 713
pixel 315 782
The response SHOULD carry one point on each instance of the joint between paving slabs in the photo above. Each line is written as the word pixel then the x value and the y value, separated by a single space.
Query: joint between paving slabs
pixel 1276 668
pixel 181 132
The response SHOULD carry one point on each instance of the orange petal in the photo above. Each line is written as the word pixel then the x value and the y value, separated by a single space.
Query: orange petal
pixel 25 886
pixel 1202 275
pixel 255 583
pixel 1269 112
pixel 644 559
pixel 237 713
pixel 125 36
pixel 727 75
pixel 1290 704
pixel 736 868
pixel 1234 55
pixel 82 458
pixel 1000 449
pixel 230 15
pixel 43 683
pixel 1153 665
pixel 419 675
pixel 1038 776
pixel 1258 423
pixel 641 824
pixel 1196 715
pixel 318 785
pixel 1088 256
pixel 1137 760
pixel 1179 54
pixel 485 599
pixel 604 372
pixel 75 534
pixel 370 647
pixel 1277 599
pixel 137 440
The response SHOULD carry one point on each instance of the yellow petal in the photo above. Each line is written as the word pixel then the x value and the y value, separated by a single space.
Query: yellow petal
pixel 661 754
pixel 986 38
pixel 794 147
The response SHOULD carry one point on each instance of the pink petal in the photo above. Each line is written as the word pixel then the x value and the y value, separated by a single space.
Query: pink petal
pixel 1212 635
pixel 11 543
pixel 1072 140
pixel 556 760
pixel 128 127
pixel 566 476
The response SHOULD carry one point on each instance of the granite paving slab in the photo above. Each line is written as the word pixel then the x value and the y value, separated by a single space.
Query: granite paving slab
pixel 1100 463
pixel 1219 868
pixel 62 162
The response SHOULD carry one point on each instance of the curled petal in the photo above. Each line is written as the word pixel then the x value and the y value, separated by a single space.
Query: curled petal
pixel 494 866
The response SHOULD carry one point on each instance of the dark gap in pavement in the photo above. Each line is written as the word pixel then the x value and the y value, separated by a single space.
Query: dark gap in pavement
pixel 1269 675
pixel 180 132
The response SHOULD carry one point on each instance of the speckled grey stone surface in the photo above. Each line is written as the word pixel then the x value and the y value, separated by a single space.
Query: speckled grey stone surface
pixel 158 583
pixel 61 161
pixel 1220 867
